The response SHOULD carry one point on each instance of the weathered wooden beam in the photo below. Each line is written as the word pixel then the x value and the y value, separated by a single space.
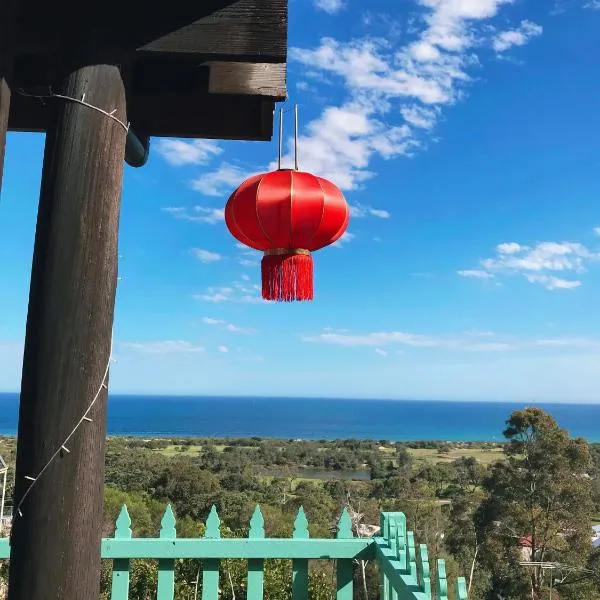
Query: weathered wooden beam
pixel 7 25
pixel 253 29
pixel 222 29
pixel 56 540
pixel 252 79
pixel 211 116
pixel 231 117
pixel 204 116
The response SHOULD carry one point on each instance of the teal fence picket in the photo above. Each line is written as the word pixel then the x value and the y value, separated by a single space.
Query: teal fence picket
pixel 256 576
pixel 166 566
pixel 210 575
pixel 120 574
pixel 344 567
pixel 300 565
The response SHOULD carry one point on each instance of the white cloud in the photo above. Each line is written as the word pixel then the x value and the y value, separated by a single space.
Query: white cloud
pixel 516 37
pixel 197 214
pixel 249 262
pixel 509 248
pixel 420 116
pixel 215 294
pixel 346 237
pixel 227 326
pixel 380 339
pixel 209 321
pixel 550 282
pixel 163 347
pixel 223 349
pixel 592 5
pixel 206 256
pixel 249 257
pixel 468 341
pixel 569 342
pixel 331 7
pixel 220 182
pixel 597 229
pixel 475 273
pixel 184 152
pixel 381 214
pixel 394 93
pixel 552 256
pixel 359 211
pixel 480 334
pixel 538 264
pixel 381 352
pixel 304 86
pixel 340 143
pixel 239 293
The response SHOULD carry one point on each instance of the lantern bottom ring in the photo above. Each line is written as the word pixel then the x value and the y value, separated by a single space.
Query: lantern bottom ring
pixel 288 251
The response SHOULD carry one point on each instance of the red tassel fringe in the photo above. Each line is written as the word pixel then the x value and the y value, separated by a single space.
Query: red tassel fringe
pixel 287 277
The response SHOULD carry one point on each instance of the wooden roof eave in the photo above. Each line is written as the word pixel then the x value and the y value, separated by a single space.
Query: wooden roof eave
pixel 218 77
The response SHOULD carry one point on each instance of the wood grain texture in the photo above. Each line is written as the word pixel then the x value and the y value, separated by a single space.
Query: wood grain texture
pixel 254 29
pixel 252 79
pixel 251 29
pixel 56 543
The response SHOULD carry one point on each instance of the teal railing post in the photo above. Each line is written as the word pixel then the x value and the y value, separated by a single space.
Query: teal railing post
pixel 395 548
pixel 166 566
pixel 442 582
pixel 412 555
pixel 425 579
pixel 300 565
pixel 345 571
pixel 384 531
pixel 402 541
pixel 210 575
pixel 461 589
pixel 120 574
pixel 256 566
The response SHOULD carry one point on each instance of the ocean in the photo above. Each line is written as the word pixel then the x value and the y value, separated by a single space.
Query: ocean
pixel 313 418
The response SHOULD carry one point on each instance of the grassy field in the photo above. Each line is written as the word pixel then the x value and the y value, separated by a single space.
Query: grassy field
pixel 485 456
pixel 174 450
pixel 194 450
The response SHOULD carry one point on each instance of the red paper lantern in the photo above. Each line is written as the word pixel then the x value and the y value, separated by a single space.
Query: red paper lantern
pixel 287 214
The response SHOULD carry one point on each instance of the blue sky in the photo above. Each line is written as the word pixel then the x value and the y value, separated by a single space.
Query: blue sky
pixel 464 134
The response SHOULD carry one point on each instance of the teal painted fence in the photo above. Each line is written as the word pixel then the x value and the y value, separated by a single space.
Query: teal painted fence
pixel 405 570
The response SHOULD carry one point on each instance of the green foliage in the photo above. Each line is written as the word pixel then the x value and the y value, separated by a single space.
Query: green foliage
pixel 542 493
pixel 469 500
pixel 145 513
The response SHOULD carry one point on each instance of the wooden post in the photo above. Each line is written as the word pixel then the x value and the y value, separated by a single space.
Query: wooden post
pixel 6 36
pixel 56 542
pixel 4 109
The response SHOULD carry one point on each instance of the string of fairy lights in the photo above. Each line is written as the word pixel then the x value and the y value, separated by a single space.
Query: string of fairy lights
pixel 81 101
pixel 85 418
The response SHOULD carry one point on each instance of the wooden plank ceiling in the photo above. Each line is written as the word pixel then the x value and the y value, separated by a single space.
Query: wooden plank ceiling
pixel 193 68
